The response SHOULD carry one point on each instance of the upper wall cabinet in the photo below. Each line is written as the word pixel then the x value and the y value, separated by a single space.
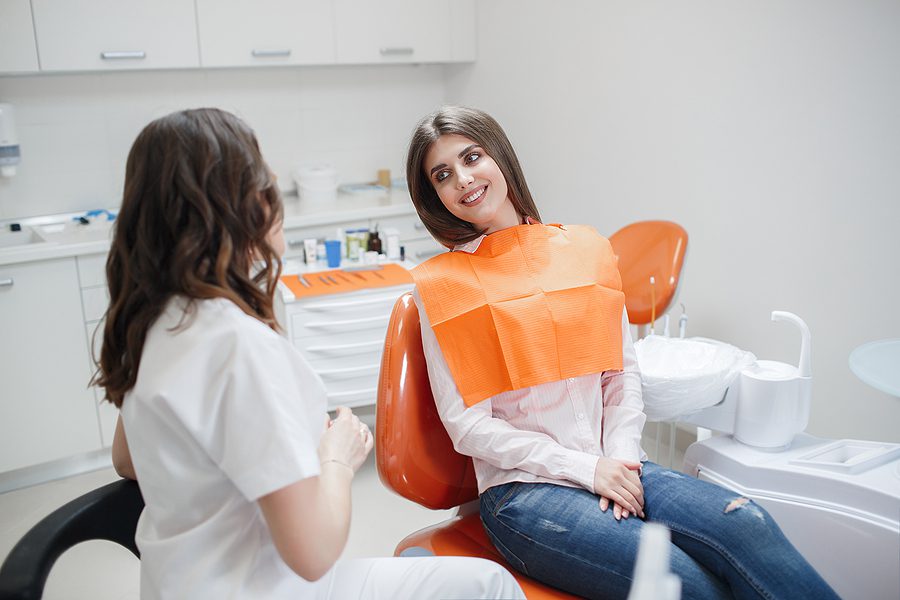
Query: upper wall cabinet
pixel 404 31
pixel 99 35
pixel 18 53
pixel 237 33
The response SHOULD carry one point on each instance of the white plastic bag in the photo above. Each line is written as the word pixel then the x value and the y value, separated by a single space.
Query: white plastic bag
pixel 683 376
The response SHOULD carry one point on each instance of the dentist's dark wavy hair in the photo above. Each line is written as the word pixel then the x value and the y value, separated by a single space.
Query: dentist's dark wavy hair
pixel 482 129
pixel 198 204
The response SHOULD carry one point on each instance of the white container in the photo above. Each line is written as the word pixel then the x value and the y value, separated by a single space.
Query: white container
pixel 316 184
pixel 774 400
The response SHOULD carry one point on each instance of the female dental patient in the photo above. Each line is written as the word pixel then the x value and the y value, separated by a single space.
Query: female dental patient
pixel 534 375
pixel 246 483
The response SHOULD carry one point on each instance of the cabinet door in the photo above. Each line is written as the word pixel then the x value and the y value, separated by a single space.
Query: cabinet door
pixel 91 35
pixel 237 33
pixel 47 410
pixel 399 31
pixel 18 53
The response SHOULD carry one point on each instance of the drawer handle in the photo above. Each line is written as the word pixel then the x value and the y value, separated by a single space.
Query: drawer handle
pixel 293 243
pixel 340 395
pixel 369 302
pixel 8 282
pixel 419 225
pixel 429 253
pixel 134 54
pixel 371 320
pixel 349 371
pixel 270 53
pixel 396 51
pixel 373 345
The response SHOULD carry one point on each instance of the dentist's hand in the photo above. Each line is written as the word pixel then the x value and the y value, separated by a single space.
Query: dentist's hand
pixel 346 440
pixel 617 481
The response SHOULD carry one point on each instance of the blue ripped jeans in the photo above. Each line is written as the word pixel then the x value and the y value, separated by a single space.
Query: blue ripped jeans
pixel 720 549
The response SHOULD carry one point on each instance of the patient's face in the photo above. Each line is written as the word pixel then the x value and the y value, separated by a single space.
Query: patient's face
pixel 470 183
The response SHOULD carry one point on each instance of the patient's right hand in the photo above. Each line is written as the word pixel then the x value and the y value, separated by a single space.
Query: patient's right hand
pixel 618 481
pixel 346 440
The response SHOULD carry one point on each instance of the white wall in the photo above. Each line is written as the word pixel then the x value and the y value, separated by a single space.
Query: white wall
pixel 75 130
pixel 769 129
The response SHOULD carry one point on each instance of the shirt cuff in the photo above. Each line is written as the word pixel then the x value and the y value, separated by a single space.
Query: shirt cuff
pixel 584 467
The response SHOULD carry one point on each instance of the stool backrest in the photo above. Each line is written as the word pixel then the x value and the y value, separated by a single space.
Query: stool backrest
pixel 414 454
pixel 645 249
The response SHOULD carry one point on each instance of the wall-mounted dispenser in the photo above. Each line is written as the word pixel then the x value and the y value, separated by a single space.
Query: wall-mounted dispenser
pixel 10 156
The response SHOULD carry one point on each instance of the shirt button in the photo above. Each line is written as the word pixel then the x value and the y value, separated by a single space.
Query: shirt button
pixel 580 415
pixel 571 380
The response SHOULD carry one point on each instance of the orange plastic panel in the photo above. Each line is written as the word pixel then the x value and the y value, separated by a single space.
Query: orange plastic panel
pixel 464 536
pixel 645 249
pixel 414 454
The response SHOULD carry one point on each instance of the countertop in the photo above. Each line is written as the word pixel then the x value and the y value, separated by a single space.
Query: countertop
pixel 60 236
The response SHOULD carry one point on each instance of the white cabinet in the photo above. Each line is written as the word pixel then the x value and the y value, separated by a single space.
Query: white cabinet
pixel 404 31
pixel 235 33
pixel 18 53
pixel 92 35
pixel 47 410
pixel 94 302
pixel 342 337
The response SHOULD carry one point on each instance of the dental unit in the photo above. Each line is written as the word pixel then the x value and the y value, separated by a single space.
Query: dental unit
pixel 838 501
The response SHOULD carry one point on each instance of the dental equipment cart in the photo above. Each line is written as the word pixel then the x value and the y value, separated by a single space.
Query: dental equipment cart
pixel 837 501
pixel 341 331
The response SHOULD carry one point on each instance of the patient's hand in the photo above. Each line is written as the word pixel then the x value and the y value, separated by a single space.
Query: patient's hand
pixel 617 481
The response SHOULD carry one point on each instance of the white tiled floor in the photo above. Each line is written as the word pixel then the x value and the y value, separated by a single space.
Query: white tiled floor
pixel 105 571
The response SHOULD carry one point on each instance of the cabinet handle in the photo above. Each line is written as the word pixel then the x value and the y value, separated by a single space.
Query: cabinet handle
pixel 372 320
pixel 429 253
pixel 419 226
pixel 293 243
pixel 139 54
pixel 268 53
pixel 369 302
pixel 349 371
pixel 8 282
pixel 373 345
pixel 341 395
pixel 396 50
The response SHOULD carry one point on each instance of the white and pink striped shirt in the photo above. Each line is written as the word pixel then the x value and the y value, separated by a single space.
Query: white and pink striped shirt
pixel 548 433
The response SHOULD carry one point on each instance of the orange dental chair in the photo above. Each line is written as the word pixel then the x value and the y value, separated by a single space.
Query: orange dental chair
pixel 649 249
pixel 415 456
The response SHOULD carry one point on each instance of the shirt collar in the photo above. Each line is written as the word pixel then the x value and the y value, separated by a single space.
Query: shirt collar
pixel 471 247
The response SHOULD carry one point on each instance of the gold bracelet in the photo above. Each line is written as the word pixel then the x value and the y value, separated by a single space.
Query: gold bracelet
pixel 340 462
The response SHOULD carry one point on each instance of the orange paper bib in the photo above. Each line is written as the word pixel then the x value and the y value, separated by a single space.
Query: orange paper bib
pixel 533 304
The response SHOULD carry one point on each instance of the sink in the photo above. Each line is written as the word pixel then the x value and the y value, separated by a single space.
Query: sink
pixel 26 237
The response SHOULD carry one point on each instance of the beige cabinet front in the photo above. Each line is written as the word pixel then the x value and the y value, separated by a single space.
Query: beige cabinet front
pixel 18 53
pixel 92 35
pixel 237 33
pixel 47 411
pixel 404 31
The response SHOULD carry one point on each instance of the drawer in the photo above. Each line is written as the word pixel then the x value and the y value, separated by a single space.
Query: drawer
pixel 331 343
pixel 334 327
pixel 353 351
pixel 95 301
pixel 91 270
pixel 354 391
pixel 356 305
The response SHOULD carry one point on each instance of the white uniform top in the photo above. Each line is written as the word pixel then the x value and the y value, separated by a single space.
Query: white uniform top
pixel 224 411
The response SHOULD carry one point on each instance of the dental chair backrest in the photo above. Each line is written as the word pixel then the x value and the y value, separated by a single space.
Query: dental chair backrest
pixel 649 249
pixel 414 454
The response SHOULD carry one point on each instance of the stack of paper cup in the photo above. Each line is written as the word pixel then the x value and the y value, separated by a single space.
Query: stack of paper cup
pixel 316 183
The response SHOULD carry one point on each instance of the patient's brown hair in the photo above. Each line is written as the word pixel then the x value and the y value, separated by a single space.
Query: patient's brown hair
pixel 482 129
pixel 198 204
